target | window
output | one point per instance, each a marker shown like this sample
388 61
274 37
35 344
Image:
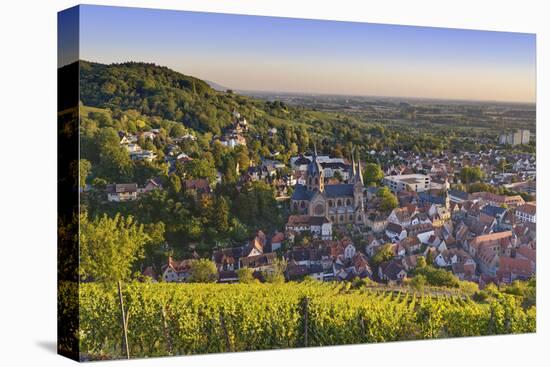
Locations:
341 218
319 209
350 217
348 202
339 202
302 204
330 203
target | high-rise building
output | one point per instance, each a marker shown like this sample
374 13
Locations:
518 137
525 136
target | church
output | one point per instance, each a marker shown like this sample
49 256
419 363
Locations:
341 203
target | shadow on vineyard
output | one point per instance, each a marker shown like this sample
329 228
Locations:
174 319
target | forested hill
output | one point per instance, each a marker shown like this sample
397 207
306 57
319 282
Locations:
162 93
158 91
155 91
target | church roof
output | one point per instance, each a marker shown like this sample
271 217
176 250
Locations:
339 190
330 191
301 193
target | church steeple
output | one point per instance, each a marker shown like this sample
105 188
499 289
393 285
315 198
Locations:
358 191
353 164
359 169
315 174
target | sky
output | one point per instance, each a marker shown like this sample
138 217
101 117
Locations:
256 53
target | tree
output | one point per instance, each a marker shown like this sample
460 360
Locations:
229 170
85 167
438 277
277 272
144 170
372 174
384 253
469 288
246 275
480 186
155 231
471 174
174 183
257 207
221 214
388 200
200 168
421 262
419 282
115 163
99 183
177 130
430 258
241 157
103 118
203 271
109 247
501 165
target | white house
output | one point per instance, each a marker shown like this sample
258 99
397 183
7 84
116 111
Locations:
317 226
527 213
122 192
133 148
425 236
144 155
349 251
176 271
401 216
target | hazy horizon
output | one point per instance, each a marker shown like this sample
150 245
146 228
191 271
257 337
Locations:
286 55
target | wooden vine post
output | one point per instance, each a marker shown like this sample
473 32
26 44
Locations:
123 322
305 310
225 333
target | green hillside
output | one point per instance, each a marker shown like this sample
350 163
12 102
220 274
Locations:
158 91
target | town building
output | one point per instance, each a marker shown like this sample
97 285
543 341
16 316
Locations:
319 227
122 192
521 136
527 213
342 203
176 271
411 182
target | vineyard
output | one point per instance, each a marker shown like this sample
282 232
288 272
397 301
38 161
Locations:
172 319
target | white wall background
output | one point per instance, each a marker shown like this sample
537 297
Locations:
28 180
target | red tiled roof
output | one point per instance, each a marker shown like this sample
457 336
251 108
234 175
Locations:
527 253
515 265
199 184
497 236
528 208
179 266
306 220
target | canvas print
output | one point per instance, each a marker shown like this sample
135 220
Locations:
234 183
